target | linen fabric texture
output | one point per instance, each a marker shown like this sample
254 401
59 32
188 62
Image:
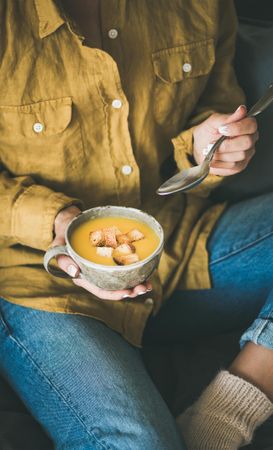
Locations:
76 152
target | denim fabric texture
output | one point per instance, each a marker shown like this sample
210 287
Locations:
241 267
84 383
89 388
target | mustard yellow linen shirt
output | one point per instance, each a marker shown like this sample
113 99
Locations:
71 118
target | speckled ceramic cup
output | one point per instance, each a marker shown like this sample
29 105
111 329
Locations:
108 277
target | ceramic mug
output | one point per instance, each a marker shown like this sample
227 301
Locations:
108 277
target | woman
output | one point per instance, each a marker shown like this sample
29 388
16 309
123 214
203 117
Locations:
103 102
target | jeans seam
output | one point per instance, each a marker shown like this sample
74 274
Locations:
59 394
234 252
6 331
4 325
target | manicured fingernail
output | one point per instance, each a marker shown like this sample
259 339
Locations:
206 150
224 130
72 271
240 107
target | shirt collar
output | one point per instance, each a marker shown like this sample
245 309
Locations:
49 16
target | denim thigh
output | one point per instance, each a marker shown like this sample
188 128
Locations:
85 385
241 269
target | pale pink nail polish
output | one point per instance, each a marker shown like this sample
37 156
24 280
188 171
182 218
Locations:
224 130
72 270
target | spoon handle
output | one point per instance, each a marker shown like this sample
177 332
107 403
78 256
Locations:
263 103
256 109
213 149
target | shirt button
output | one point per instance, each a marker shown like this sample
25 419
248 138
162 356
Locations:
187 67
149 301
38 127
117 104
113 33
126 170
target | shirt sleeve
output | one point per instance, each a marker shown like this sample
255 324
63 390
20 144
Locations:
222 94
28 211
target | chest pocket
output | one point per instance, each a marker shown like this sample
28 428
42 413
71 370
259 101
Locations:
38 119
185 61
181 75
41 139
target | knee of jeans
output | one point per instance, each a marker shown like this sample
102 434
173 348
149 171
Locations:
146 437
128 433
135 434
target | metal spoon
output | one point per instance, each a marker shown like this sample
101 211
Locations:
189 178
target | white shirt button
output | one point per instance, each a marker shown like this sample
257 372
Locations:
38 127
113 33
117 104
187 67
126 170
149 301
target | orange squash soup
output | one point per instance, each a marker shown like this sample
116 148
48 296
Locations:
114 241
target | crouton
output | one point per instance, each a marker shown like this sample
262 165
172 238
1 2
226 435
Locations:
124 249
116 230
109 235
96 238
105 251
135 235
123 239
125 254
124 260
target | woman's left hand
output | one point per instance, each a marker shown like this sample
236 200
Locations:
69 266
236 151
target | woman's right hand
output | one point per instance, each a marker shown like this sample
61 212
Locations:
69 266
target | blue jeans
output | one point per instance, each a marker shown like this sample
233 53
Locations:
241 268
89 388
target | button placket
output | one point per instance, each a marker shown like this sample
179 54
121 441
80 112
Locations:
123 157
126 169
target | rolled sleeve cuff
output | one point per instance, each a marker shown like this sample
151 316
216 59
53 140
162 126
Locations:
260 333
34 213
183 154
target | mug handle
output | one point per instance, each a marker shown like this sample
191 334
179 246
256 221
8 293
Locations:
52 253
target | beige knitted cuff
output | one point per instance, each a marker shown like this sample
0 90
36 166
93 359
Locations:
225 416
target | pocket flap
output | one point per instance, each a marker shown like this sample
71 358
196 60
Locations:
43 118
185 61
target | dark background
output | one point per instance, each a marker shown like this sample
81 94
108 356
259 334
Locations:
255 9
18 431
